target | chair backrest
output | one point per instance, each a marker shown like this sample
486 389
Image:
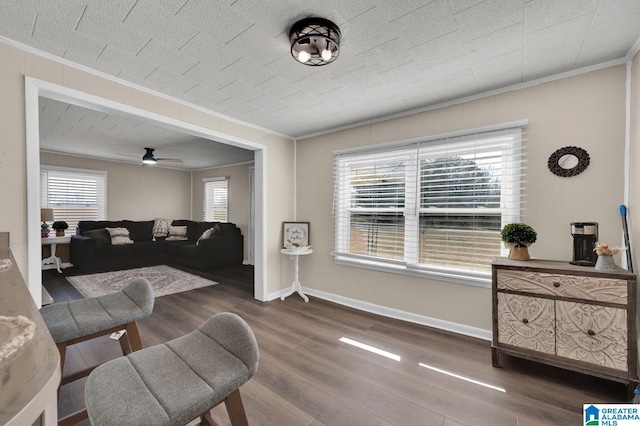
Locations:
234 334
140 291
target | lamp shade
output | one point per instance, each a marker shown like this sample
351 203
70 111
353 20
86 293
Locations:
46 215
315 41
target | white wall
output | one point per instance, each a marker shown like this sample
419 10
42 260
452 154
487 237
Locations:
634 161
239 195
135 192
16 63
587 110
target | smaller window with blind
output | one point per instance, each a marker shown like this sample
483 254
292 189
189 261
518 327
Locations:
216 199
430 207
73 194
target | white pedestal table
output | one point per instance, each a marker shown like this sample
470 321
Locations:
295 287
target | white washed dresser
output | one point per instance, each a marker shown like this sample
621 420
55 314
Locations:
568 316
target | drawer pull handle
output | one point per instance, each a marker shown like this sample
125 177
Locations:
591 332
556 284
524 320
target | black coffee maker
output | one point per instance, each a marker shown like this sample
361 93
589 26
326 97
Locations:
585 236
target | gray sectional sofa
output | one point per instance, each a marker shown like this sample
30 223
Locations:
92 251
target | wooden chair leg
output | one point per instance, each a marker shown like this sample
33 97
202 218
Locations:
207 419
62 350
235 409
73 418
125 344
134 336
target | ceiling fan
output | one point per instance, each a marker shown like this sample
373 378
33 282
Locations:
149 158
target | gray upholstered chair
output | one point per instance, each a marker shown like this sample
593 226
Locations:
84 319
175 382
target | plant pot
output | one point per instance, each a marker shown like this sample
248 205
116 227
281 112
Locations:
59 232
606 263
519 253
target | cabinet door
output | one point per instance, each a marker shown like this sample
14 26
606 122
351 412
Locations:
590 333
526 322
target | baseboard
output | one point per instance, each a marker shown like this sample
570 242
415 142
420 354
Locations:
385 311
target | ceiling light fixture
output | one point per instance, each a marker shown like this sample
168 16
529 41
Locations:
148 157
315 41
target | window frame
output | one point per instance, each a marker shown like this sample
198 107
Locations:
212 183
510 196
101 177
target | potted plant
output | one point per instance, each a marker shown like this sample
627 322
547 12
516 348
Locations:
518 237
44 230
60 227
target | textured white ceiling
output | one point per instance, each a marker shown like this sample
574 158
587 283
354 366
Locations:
232 56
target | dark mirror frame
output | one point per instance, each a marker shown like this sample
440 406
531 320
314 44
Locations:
579 153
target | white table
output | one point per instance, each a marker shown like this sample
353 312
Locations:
53 261
296 287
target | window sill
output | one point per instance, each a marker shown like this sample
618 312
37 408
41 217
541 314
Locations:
403 269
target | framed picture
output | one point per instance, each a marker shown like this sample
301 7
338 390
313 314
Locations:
295 234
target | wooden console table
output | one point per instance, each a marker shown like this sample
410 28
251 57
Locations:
568 316
28 395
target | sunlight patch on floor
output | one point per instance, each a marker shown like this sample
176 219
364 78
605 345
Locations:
457 376
370 348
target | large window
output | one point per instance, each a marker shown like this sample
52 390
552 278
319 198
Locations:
73 194
433 206
216 199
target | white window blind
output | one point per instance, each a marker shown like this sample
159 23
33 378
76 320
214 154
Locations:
216 199
433 206
74 195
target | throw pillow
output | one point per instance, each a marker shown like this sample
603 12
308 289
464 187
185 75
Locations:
177 233
101 236
209 233
161 227
119 236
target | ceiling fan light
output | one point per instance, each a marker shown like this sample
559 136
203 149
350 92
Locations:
148 157
315 41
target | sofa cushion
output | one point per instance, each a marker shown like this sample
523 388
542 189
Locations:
149 247
139 230
174 247
228 229
119 236
114 251
161 227
177 233
189 250
191 228
87 225
209 233
101 236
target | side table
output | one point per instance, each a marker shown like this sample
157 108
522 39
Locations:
295 287
53 261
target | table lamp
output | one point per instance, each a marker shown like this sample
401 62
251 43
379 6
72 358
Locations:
45 215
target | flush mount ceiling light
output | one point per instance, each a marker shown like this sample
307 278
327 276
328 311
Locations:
315 41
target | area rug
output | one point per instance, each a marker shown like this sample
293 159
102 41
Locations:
164 280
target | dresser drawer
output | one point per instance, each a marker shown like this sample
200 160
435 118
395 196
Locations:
593 334
526 322
573 286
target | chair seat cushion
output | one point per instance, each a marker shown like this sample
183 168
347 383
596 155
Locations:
175 382
77 318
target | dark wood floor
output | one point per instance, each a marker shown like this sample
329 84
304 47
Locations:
307 376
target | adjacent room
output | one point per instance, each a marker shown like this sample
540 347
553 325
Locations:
354 212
